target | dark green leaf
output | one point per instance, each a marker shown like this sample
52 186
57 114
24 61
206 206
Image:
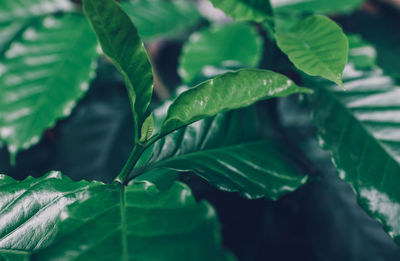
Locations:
317 46
137 222
226 150
316 6
229 91
360 127
208 53
42 76
120 41
245 10
377 28
30 208
161 18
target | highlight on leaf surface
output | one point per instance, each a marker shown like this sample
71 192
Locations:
317 46
228 91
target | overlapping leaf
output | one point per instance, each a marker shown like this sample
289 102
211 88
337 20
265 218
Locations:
227 151
42 75
245 10
360 127
91 220
215 50
317 46
156 19
229 91
120 41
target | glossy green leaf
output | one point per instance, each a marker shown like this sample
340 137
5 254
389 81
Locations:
209 53
147 128
245 10
120 41
227 151
161 18
317 46
229 91
360 127
42 76
11 10
137 222
316 6
30 208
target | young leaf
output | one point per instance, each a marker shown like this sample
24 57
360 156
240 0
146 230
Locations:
160 19
317 46
229 91
147 129
41 77
120 41
245 10
360 127
207 53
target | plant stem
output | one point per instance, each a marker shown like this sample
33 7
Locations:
130 163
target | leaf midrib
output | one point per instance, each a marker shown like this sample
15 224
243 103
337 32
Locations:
123 224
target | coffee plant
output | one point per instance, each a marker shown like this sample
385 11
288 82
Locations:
192 130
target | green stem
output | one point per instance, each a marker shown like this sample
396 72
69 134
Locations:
130 163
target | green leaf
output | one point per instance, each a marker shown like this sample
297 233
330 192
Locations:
13 255
317 46
42 76
120 41
360 127
8 32
11 10
361 54
161 18
316 6
30 208
226 150
137 222
229 91
208 53
378 29
245 10
147 129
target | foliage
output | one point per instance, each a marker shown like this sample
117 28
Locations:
226 130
